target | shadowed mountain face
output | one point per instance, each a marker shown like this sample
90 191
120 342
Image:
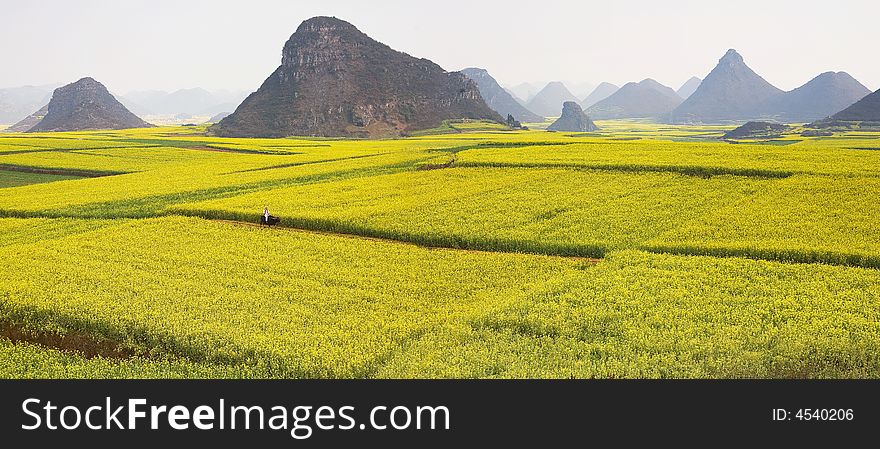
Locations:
822 96
866 109
83 105
601 92
499 99
689 87
644 99
548 102
573 119
732 91
336 81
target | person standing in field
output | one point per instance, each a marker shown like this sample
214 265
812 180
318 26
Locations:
266 214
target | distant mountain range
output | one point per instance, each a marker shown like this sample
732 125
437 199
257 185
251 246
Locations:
195 101
645 99
16 103
822 96
734 92
731 92
29 122
580 89
516 97
601 92
548 102
689 87
499 99
524 91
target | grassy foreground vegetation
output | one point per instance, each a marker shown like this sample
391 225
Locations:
714 259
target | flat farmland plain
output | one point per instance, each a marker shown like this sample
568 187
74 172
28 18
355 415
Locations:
473 253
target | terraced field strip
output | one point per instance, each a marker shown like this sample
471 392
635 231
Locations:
379 239
71 172
704 158
806 219
19 178
689 170
150 192
540 211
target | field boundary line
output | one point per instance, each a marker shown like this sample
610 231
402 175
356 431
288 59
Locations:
242 223
830 258
60 171
685 170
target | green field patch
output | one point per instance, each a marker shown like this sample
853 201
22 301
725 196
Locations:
10 178
297 164
47 174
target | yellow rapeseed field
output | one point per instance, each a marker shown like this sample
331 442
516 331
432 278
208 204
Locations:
641 250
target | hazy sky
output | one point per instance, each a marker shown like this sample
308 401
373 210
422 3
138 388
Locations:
160 44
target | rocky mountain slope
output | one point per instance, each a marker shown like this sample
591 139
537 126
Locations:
573 119
335 80
84 105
